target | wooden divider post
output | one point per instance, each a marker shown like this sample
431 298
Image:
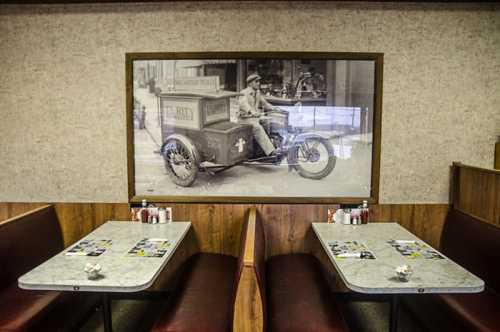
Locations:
248 310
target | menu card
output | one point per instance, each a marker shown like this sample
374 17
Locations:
90 247
153 247
414 249
350 249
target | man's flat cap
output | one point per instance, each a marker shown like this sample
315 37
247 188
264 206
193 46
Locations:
253 77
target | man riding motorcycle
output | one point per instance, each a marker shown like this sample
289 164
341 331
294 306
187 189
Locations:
252 104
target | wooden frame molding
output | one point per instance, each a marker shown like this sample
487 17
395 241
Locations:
373 198
497 155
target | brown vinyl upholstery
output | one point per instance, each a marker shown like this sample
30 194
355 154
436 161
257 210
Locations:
298 296
26 242
204 300
475 245
477 312
22 308
295 293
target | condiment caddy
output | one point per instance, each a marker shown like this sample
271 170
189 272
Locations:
149 213
354 216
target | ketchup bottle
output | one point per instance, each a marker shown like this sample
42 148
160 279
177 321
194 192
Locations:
144 211
365 213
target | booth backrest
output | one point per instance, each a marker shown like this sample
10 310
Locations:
27 241
474 244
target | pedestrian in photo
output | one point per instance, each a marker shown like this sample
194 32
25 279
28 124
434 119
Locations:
142 119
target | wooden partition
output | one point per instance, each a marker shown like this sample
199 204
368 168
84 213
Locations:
476 191
10 210
248 310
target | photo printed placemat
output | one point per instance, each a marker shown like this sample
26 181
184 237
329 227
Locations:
414 249
90 247
350 249
153 247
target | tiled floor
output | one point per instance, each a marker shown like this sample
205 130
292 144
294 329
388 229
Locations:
128 316
374 317
137 316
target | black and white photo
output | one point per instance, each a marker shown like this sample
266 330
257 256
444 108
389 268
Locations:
253 127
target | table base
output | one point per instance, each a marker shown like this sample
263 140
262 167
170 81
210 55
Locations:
394 315
106 312
392 299
106 298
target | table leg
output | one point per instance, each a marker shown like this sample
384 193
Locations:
106 312
393 327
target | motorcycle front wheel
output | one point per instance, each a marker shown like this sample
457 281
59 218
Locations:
313 158
180 162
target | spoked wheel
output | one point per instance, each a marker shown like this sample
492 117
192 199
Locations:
313 158
180 161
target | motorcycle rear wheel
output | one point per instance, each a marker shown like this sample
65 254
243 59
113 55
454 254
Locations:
313 158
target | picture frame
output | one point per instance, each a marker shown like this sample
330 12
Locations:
192 119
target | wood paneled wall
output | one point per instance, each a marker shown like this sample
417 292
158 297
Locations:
288 227
217 227
476 191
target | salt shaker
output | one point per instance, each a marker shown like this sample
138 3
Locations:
162 214
347 218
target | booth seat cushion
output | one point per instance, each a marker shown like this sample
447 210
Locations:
479 312
25 242
299 298
21 308
70 313
203 301
30 310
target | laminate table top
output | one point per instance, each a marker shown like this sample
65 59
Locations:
120 272
378 276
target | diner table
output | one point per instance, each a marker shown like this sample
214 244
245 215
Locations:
392 246
125 266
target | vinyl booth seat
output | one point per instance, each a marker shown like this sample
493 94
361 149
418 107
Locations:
474 244
298 296
22 308
220 293
204 299
25 242
295 295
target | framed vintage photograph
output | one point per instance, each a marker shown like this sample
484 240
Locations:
254 127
